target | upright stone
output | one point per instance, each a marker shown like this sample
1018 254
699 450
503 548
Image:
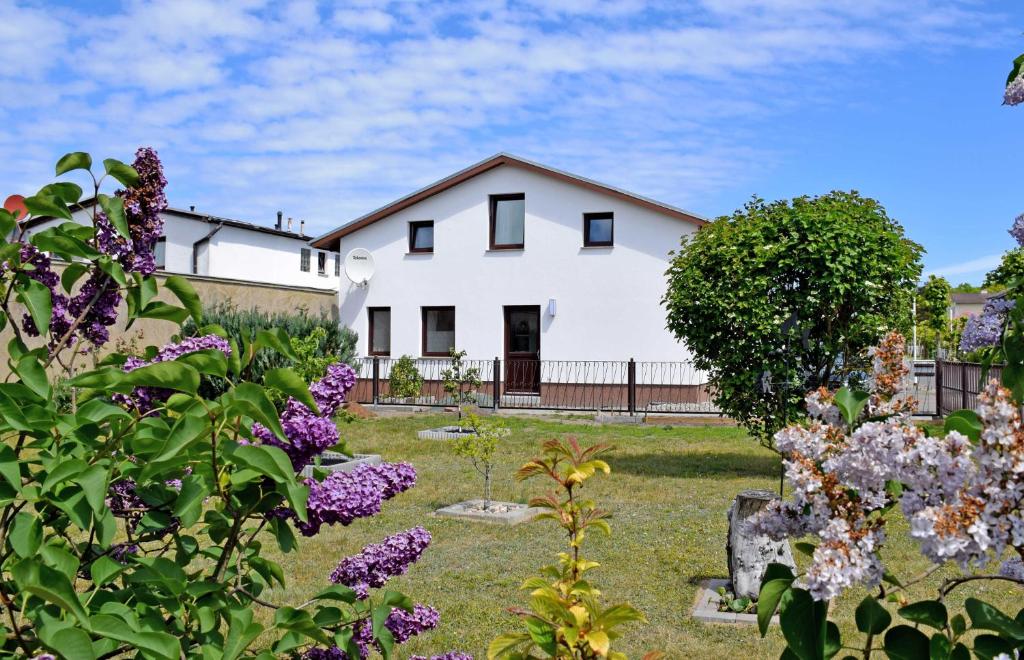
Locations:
749 555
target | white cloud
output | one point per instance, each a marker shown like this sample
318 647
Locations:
967 269
328 110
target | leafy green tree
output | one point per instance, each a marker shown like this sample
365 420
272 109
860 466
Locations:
460 381
1009 270
784 297
933 302
404 380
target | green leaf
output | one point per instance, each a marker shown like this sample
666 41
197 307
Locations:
241 633
9 467
768 601
986 617
173 375
123 173
833 640
164 312
67 192
7 224
72 644
252 400
871 617
62 245
113 207
928 612
189 504
33 375
796 618
850 403
104 377
278 340
208 361
187 295
987 647
72 273
35 296
289 382
235 358
906 643
160 644
805 548
50 585
1018 62
46 206
503 645
76 160
267 460
966 422
338 592
105 569
26 534
94 484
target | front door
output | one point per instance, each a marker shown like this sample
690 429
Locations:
522 349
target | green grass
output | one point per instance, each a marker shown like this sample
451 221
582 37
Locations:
669 491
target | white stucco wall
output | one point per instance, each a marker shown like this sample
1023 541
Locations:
233 252
608 299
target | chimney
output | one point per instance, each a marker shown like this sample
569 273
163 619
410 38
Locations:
289 223
192 208
302 227
280 218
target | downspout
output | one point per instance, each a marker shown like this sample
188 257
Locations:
198 244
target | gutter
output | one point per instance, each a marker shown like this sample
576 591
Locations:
202 241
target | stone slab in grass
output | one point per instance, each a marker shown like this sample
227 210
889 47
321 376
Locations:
499 513
708 600
605 418
445 433
337 462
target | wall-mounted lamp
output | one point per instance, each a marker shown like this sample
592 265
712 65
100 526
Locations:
552 307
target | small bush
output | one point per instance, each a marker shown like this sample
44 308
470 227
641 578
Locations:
405 379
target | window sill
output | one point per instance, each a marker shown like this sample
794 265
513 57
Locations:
420 253
596 247
511 249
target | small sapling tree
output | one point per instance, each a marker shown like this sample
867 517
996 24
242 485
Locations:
460 381
480 446
404 380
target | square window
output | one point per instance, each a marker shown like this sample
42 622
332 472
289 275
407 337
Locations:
160 253
421 236
321 264
304 257
598 229
380 330
438 330
508 221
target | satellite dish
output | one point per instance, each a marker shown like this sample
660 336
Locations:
359 266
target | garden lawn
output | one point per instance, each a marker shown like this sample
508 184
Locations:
668 492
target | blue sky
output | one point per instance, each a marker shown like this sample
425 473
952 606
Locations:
328 110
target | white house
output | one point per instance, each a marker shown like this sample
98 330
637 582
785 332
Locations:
516 260
201 244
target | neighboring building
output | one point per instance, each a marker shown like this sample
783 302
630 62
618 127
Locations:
516 260
200 244
967 304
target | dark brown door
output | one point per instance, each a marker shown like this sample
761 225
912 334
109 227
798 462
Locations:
522 349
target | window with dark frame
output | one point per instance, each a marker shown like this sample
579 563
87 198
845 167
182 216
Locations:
321 264
304 260
160 253
599 229
380 330
337 265
438 331
421 236
508 221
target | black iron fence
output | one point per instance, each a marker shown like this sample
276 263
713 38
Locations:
613 386
627 386
957 384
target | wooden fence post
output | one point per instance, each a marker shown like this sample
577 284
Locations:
938 387
376 380
495 384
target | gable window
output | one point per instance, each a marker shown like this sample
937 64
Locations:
337 265
421 236
508 221
304 256
380 330
160 253
321 264
438 330
598 229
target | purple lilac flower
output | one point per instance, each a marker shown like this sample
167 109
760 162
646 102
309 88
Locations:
142 207
41 271
379 562
402 625
329 392
146 398
122 551
986 329
450 655
345 496
1014 93
1017 230
308 435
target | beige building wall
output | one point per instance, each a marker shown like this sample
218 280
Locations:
243 295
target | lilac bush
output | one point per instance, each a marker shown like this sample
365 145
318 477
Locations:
146 398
